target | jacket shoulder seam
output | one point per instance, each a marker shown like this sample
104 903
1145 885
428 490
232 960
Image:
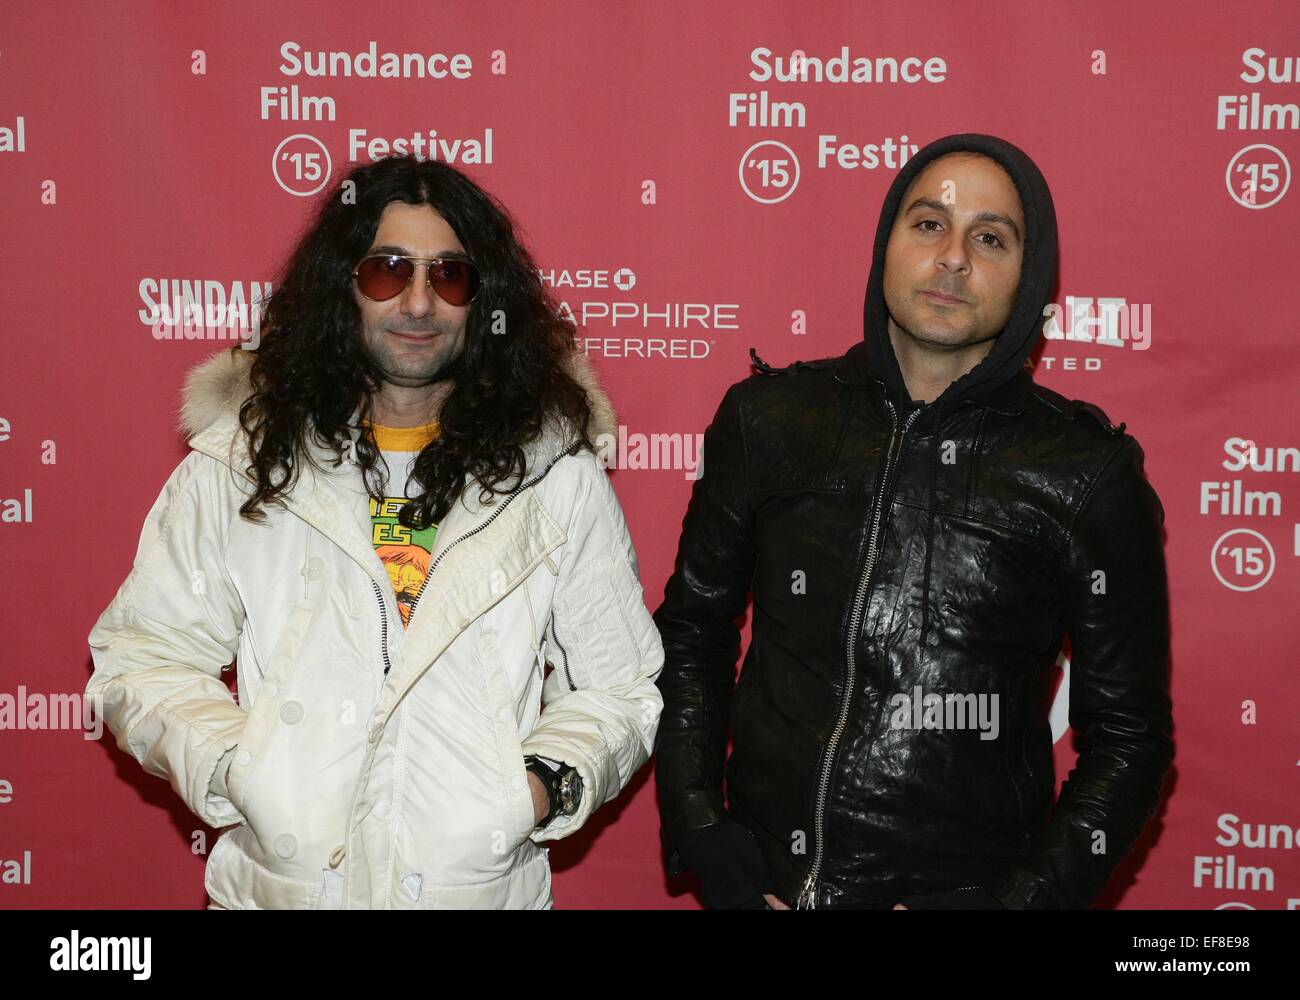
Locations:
1051 399
1072 409
817 364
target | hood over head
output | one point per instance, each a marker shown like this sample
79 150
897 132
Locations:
1003 366
1037 272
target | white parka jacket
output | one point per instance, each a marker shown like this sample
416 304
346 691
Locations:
352 788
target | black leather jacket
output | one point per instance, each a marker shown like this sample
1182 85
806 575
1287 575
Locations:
814 495
889 558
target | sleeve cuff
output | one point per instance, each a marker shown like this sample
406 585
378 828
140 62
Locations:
211 801
593 788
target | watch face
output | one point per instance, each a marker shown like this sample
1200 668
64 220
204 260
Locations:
571 790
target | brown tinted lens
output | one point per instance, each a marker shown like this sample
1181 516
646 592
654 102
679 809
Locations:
381 278
455 281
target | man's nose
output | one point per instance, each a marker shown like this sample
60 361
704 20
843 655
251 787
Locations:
417 298
953 253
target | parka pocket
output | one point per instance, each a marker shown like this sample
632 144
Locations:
523 798
245 769
235 783
518 802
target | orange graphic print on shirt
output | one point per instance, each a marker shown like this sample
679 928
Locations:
405 552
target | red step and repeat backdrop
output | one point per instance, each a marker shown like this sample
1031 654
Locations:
686 200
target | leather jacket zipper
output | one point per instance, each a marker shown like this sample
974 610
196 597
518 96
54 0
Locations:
807 897
379 594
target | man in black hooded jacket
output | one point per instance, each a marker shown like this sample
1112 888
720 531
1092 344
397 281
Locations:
920 524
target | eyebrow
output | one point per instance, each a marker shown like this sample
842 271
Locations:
939 206
404 252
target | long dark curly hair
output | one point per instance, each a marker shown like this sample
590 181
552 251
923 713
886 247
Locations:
310 373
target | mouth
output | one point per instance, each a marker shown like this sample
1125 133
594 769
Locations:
941 299
413 338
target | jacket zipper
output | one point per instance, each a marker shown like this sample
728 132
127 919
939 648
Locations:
383 625
807 898
564 656
379 594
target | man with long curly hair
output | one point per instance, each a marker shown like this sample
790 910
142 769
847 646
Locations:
392 518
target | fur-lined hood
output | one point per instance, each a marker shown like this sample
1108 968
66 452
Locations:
217 386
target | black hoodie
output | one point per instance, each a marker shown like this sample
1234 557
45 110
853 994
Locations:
1024 326
1037 274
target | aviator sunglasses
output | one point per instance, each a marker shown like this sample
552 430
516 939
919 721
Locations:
380 276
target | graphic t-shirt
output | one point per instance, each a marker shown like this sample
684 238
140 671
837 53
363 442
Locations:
405 552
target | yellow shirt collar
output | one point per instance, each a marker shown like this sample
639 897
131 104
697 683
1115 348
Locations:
404 438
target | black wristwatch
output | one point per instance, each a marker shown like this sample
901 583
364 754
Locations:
563 786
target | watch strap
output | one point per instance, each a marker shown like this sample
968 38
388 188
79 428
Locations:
548 772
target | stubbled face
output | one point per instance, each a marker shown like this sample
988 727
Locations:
960 232
414 335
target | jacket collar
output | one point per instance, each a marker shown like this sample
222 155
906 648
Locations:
217 386
1008 398
332 497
